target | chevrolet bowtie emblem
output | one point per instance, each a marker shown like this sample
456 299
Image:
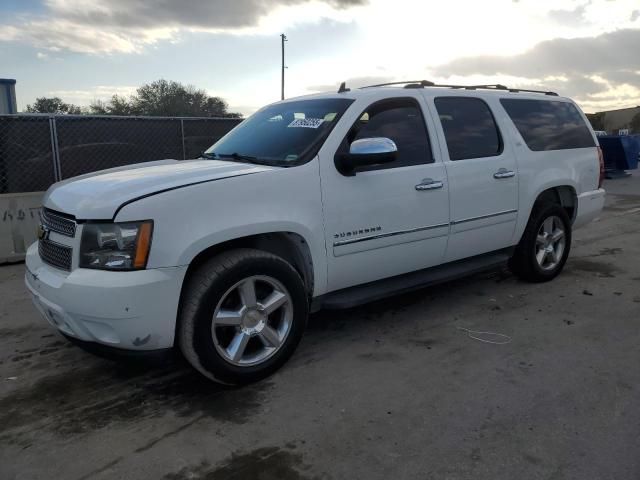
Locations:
43 232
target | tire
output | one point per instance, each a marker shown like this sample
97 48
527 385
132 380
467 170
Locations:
525 262
232 336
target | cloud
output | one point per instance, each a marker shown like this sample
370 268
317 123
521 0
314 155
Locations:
612 56
204 14
573 17
87 96
587 69
126 26
577 87
599 72
592 55
615 98
634 15
624 77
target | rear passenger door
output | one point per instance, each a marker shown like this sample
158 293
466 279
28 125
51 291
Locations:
482 173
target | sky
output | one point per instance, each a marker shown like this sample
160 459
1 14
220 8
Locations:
87 50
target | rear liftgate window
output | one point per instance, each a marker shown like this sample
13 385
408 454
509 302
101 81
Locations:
469 128
548 125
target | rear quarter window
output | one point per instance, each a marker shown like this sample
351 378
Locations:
548 125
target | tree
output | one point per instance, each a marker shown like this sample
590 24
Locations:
634 126
166 98
596 120
118 105
53 105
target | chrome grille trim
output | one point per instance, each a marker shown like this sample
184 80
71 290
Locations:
55 254
58 223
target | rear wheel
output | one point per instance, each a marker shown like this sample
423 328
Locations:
243 314
545 244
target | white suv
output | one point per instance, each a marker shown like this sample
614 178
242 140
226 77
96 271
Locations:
323 201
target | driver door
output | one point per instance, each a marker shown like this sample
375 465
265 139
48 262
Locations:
387 219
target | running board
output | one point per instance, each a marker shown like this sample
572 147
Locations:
369 292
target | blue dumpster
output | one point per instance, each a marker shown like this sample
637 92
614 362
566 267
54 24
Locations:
620 153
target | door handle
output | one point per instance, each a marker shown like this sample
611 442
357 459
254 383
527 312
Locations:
429 184
504 173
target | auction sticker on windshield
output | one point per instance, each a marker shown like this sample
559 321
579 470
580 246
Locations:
306 123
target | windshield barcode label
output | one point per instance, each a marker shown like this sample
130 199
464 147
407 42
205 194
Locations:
306 123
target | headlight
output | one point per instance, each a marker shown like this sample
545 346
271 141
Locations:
115 246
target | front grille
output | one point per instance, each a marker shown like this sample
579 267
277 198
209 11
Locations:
58 223
55 254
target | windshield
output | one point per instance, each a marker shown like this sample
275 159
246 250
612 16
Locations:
283 134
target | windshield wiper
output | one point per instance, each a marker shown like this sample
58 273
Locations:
234 156
247 159
250 159
237 156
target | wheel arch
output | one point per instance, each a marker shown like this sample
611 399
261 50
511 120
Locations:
563 195
291 246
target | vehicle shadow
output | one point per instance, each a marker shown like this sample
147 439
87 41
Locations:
89 393
86 393
351 318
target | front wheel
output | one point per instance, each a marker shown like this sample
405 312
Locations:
242 315
545 244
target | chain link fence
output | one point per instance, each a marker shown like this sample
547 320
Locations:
38 150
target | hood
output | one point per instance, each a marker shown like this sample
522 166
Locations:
98 195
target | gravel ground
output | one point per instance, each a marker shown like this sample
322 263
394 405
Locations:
390 390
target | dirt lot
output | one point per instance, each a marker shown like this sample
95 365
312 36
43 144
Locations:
391 390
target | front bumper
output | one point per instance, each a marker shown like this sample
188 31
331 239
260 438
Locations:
127 310
158 356
590 204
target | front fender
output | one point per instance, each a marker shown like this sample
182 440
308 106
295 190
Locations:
243 231
189 220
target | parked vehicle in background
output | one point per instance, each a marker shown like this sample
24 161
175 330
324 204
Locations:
324 201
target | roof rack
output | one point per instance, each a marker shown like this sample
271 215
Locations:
417 83
427 83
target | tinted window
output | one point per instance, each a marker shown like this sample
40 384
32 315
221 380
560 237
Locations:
401 121
548 125
286 133
469 128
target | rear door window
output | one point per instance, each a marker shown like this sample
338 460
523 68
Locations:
469 128
548 125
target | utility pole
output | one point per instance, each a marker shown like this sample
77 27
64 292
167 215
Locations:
284 39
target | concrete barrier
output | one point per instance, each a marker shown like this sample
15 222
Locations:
19 221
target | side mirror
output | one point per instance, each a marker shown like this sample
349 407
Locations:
366 152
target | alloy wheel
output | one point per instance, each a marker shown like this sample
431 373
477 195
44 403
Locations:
550 243
252 320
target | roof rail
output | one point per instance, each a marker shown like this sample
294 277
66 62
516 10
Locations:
495 86
516 90
427 83
420 83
